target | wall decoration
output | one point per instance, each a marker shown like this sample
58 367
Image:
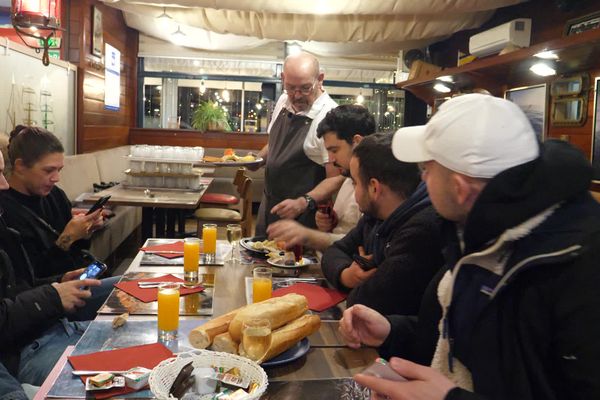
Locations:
97 33
582 24
533 101
112 78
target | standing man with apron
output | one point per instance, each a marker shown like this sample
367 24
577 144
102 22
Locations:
295 158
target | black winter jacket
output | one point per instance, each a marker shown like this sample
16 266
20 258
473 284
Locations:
406 249
524 317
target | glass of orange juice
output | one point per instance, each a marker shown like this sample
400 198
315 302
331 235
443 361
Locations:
262 285
168 311
191 256
209 239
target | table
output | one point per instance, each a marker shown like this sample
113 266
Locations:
324 372
155 202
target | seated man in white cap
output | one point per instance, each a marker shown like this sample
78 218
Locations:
519 299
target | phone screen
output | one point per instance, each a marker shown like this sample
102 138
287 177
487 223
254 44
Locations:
98 204
93 270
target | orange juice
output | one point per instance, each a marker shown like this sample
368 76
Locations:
168 309
209 238
261 289
191 254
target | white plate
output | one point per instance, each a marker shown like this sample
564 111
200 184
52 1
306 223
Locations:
246 243
232 163
304 261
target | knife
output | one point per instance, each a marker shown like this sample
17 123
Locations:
149 285
80 372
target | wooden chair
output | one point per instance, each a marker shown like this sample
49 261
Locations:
223 199
224 216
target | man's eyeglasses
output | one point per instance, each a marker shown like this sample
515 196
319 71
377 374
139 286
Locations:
304 89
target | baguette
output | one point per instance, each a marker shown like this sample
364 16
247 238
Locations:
202 336
278 310
225 343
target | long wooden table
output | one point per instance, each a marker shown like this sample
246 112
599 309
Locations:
321 369
156 203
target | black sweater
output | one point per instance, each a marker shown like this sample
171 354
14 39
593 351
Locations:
411 256
26 214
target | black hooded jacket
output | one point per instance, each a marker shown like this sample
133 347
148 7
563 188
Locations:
524 318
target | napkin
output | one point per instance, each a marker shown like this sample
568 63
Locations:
148 295
147 355
169 247
319 298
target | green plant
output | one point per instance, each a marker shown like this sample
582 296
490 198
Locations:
210 116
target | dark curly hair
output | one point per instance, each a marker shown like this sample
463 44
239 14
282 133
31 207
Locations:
346 121
30 144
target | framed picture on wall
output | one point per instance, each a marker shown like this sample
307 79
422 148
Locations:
97 33
596 132
533 101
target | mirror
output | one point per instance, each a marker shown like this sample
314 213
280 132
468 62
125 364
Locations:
569 85
568 111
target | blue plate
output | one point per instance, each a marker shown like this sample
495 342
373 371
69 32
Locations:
294 353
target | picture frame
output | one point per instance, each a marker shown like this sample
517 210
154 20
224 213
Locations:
595 156
533 100
97 32
582 24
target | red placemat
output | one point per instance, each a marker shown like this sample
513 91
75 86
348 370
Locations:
319 298
147 355
173 250
148 295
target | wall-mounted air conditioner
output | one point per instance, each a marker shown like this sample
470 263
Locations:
516 32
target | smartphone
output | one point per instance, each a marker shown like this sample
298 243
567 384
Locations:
325 208
365 264
98 204
381 369
93 271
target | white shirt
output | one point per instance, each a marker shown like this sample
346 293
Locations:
314 148
347 211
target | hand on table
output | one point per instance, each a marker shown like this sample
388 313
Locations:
72 295
290 208
424 383
363 325
289 231
354 275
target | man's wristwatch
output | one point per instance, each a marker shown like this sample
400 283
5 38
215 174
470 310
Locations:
311 204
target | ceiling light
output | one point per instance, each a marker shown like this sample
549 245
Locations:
360 99
446 78
202 87
164 20
178 37
291 49
225 95
547 55
542 69
440 87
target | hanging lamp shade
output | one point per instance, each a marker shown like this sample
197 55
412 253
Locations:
37 23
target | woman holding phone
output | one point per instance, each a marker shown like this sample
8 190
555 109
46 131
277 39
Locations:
54 240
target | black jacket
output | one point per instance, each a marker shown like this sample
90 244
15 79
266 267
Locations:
39 221
406 250
524 316
24 312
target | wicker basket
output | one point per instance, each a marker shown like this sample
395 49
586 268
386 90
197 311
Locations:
164 374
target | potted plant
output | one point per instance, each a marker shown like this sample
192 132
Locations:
209 116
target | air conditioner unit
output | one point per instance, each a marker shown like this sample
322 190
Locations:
516 32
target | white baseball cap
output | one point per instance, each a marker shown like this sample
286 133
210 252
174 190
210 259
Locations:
474 134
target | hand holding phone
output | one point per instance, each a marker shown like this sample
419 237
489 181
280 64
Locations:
381 369
98 204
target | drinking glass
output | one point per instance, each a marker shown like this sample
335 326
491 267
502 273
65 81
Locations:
234 234
168 311
256 338
262 285
191 256
209 238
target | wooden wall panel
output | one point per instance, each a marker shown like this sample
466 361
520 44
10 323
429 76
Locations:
98 128
177 137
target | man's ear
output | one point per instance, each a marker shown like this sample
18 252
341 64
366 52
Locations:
464 191
19 166
374 188
356 139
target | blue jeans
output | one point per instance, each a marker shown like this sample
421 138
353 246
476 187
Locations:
39 357
93 304
10 388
